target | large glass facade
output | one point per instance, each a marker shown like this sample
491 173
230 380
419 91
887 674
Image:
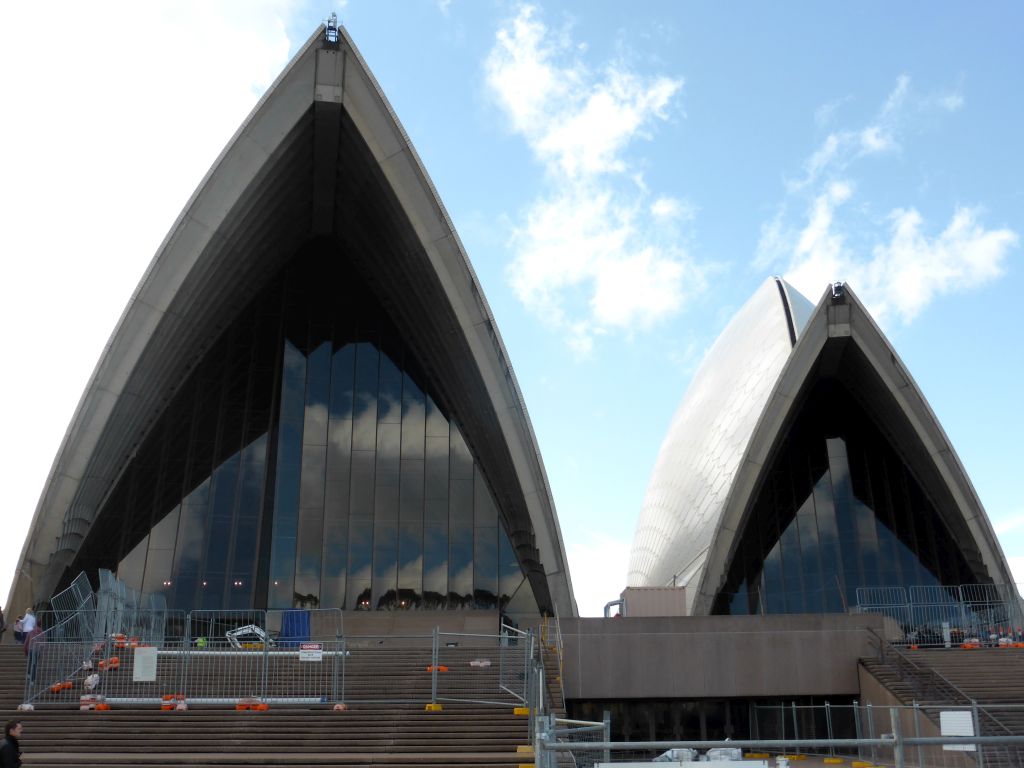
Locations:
838 510
306 462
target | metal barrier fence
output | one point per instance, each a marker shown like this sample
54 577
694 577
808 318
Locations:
581 734
473 668
857 721
949 615
515 657
887 736
218 658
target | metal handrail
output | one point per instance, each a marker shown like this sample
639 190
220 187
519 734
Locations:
909 669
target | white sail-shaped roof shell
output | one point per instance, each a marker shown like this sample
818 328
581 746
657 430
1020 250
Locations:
708 437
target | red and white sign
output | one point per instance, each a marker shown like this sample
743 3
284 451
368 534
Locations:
311 651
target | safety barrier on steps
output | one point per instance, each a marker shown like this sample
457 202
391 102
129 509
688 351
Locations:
230 659
967 615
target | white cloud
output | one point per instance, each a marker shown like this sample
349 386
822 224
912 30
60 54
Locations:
1016 564
841 147
907 271
598 564
668 208
591 253
818 253
101 146
907 268
875 139
826 113
588 137
897 96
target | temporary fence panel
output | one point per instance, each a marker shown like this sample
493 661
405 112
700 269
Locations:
222 658
881 596
387 669
516 654
938 624
580 734
55 671
864 721
216 672
473 668
949 614
140 675
74 610
306 673
78 596
225 658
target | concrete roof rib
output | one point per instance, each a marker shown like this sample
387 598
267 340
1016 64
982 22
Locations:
841 339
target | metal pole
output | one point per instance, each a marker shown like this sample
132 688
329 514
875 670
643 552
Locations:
897 735
856 723
433 670
266 660
344 669
527 657
186 656
977 732
871 732
607 719
917 733
828 728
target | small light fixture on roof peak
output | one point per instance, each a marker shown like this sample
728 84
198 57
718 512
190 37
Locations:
332 28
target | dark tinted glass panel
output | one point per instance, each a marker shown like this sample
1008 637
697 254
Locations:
247 526
485 567
460 567
435 566
288 478
364 430
222 508
306 460
509 575
385 565
360 564
838 510
410 566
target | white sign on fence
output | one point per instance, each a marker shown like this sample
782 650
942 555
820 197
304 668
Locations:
311 651
957 723
144 665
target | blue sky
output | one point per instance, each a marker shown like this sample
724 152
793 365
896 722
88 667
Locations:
623 178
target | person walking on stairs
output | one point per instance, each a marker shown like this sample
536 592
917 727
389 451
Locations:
10 752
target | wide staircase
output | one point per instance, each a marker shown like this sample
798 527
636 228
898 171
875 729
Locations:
385 723
938 678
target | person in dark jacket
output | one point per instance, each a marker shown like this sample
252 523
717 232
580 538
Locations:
10 752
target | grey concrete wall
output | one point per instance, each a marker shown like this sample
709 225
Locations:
716 656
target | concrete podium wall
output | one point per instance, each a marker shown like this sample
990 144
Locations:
716 656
